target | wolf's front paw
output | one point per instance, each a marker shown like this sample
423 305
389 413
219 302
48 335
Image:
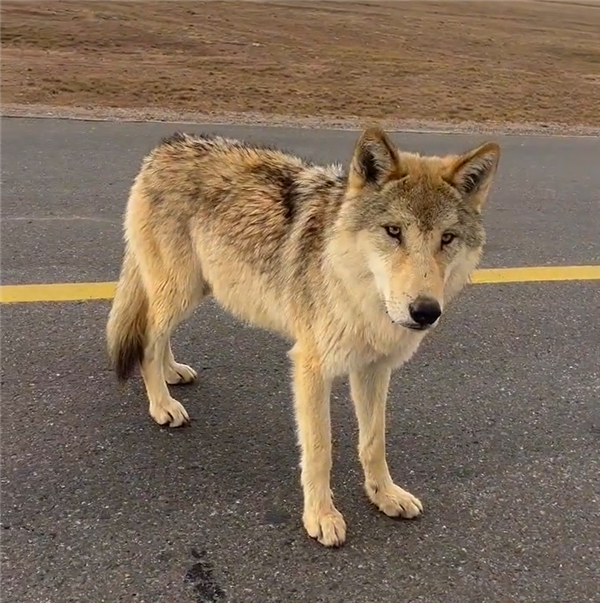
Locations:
394 501
327 525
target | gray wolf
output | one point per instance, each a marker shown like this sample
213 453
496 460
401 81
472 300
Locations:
353 266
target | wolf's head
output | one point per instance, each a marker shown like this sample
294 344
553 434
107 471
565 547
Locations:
414 223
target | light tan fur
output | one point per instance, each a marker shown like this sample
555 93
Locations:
352 266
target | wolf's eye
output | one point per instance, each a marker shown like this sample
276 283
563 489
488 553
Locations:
447 238
394 231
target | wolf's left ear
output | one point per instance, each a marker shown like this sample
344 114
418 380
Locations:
473 172
375 160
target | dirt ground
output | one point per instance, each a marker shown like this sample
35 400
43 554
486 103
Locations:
529 62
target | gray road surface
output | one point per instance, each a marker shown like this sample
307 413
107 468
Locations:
495 424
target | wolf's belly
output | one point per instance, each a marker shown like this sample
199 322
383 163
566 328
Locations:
250 298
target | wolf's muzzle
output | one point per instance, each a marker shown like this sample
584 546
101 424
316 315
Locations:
425 311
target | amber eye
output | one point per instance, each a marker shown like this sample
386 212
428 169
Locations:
447 238
394 231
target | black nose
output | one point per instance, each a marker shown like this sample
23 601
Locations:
425 311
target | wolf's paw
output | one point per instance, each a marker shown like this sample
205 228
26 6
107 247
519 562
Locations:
169 412
179 373
394 501
328 527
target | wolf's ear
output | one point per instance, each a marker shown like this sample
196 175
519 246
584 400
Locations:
473 172
375 160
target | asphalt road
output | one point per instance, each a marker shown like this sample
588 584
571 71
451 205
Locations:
495 424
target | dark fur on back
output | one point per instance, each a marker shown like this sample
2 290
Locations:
284 180
204 139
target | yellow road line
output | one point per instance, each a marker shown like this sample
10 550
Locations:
62 292
56 292
533 274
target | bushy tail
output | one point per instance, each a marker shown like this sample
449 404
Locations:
128 319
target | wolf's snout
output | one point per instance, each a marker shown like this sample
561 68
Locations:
425 311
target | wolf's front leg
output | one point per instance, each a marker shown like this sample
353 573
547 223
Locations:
369 388
312 393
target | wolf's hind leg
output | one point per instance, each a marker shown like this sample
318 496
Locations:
175 372
174 289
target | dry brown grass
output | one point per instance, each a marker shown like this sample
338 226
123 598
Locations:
527 61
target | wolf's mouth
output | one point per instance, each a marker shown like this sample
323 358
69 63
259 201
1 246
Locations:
415 327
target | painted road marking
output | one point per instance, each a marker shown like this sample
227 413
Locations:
63 292
533 274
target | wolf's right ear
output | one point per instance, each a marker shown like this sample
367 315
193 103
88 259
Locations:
375 161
